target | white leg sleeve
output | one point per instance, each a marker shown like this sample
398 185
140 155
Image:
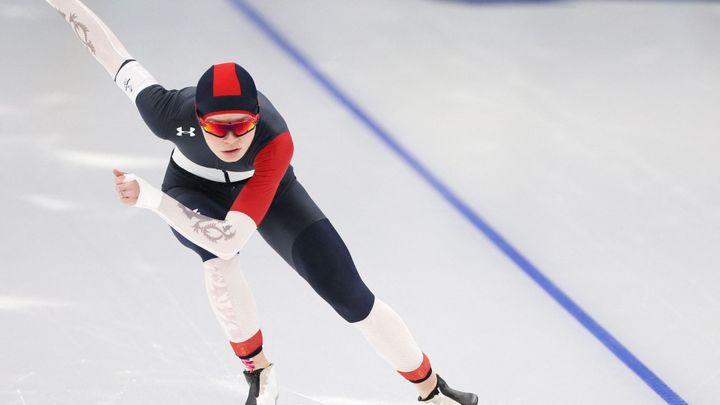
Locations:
389 336
231 298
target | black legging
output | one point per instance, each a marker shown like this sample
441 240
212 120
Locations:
294 227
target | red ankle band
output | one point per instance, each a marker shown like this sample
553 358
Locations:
249 348
420 374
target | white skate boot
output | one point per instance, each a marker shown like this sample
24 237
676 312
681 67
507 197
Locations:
263 386
444 395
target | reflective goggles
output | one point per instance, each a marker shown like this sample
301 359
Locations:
221 129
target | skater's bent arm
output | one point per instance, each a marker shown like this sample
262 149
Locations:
222 237
105 47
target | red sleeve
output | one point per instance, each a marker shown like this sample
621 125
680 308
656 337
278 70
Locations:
271 163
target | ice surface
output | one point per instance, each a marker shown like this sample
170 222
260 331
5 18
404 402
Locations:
584 132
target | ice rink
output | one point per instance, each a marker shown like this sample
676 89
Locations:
576 141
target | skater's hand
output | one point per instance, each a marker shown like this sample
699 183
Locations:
128 192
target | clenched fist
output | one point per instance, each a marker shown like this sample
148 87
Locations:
127 191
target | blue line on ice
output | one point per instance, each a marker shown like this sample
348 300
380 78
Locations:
617 348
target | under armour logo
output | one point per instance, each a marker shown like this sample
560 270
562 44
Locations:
181 132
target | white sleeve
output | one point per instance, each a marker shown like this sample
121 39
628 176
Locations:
132 78
104 46
223 238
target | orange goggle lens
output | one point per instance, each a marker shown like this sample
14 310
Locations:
221 129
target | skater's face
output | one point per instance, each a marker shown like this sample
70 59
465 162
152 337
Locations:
231 147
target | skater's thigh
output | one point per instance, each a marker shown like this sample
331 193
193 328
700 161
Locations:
297 229
290 213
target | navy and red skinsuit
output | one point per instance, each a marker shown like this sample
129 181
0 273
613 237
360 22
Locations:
286 216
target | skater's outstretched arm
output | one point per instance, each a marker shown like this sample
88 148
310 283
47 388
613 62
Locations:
105 47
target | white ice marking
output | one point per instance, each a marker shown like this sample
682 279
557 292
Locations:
22 398
351 401
49 203
17 12
714 376
102 160
25 377
56 98
288 396
7 110
10 303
